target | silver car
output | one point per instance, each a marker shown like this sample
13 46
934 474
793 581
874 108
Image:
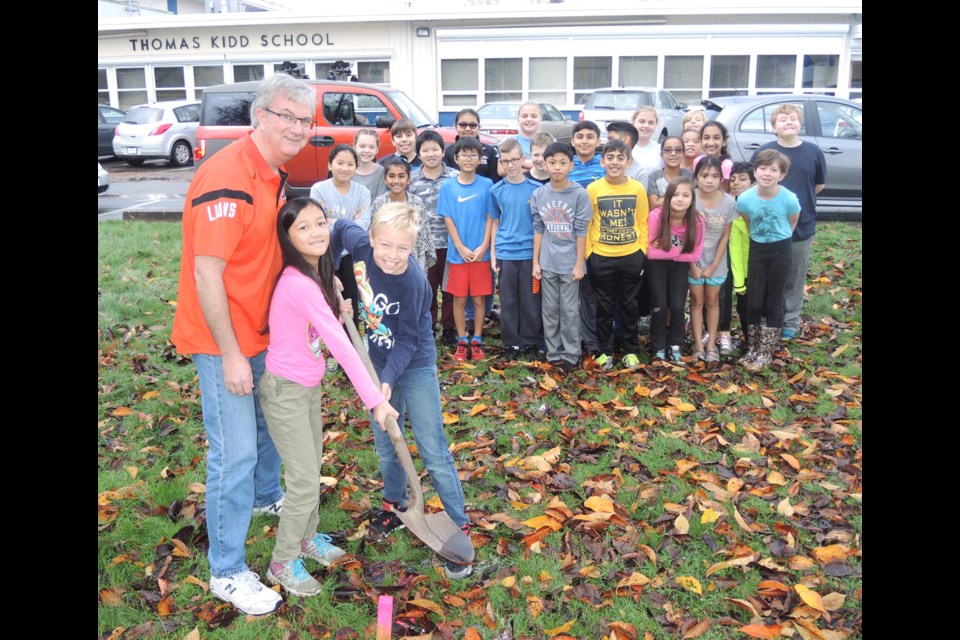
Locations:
157 131
499 120
833 124
610 105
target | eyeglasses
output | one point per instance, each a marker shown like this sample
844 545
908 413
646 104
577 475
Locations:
468 156
468 125
289 119
667 150
509 161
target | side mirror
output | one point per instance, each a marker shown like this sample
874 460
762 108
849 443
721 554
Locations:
567 119
384 122
682 106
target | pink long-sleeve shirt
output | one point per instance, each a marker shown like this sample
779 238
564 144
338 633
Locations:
677 236
300 322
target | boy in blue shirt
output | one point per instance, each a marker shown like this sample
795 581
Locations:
512 253
464 204
395 297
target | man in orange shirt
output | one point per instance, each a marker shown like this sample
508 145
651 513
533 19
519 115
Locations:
229 264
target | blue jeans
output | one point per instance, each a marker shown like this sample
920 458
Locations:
243 467
417 393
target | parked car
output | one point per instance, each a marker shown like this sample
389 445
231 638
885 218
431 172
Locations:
343 108
158 130
499 120
608 105
107 120
103 180
833 124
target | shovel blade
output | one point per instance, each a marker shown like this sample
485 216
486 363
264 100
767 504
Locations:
439 532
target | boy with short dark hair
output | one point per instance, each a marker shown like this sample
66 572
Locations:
561 213
616 251
404 356
586 164
464 205
627 133
807 178
538 144
512 253
404 136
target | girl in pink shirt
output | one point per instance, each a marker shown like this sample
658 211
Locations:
676 240
301 320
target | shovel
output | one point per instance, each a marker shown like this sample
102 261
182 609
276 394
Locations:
436 530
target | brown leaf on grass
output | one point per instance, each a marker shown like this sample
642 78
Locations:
680 405
681 525
544 521
833 601
709 516
477 408
746 605
800 563
784 508
561 629
697 630
650 552
120 412
740 521
764 632
790 460
166 606
106 513
742 561
775 477
830 553
602 504
808 631
635 579
548 382
450 418
198 582
509 581
110 597
810 597
534 606
197 487
624 630
193 635
472 634
428 605
536 537
685 465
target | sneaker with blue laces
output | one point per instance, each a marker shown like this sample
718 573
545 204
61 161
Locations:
293 577
788 333
675 355
321 548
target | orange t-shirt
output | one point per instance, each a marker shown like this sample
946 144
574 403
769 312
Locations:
231 213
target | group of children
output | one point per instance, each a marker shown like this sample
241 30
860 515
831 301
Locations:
574 236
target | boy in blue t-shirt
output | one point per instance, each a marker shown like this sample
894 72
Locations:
395 303
512 254
464 204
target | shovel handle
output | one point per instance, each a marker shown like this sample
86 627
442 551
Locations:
393 429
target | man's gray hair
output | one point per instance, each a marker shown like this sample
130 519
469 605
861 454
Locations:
295 90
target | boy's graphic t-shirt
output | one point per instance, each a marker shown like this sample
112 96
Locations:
584 173
467 205
562 217
618 226
510 203
768 218
394 308
716 220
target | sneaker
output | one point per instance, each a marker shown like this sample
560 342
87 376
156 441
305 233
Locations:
631 361
385 522
246 593
605 361
460 355
675 355
476 351
454 571
293 577
274 509
511 354
660 355
788 333
321 548
726 344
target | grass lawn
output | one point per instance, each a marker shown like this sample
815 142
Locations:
670 502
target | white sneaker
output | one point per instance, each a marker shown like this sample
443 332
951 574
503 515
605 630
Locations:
274 509
246 593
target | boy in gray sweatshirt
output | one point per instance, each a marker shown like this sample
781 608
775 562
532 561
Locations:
561 212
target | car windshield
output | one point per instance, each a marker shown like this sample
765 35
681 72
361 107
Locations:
498 112
619 100
143 115
410 109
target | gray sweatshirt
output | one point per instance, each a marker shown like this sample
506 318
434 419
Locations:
562 217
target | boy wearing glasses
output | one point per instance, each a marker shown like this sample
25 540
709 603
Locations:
464 205
512 254
404 136
468 126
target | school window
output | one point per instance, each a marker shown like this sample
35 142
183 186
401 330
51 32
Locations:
729 75
245 72
775 72
683 76
548 80
591 73
375 72
856 79
204 76
638 71
459 82
131 87
170 83
103 90
820 72
502 79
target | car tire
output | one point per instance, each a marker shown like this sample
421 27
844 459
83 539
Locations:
135 162
181 155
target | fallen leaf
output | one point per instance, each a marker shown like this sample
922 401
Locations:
193 635
509 581
472 634
634 580
839 350
561 629
690 584
709 516
455 601
784 508
681 524
685 465
810 597
603 504
833 601
166 606
548 383
450 418
121 411
477 408
132 471
830 553
697 630
765 632
110 597
775 477
198 582
197 487
742 561
793 462
534 606
422 603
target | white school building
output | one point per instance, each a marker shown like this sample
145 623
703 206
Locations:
448 55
